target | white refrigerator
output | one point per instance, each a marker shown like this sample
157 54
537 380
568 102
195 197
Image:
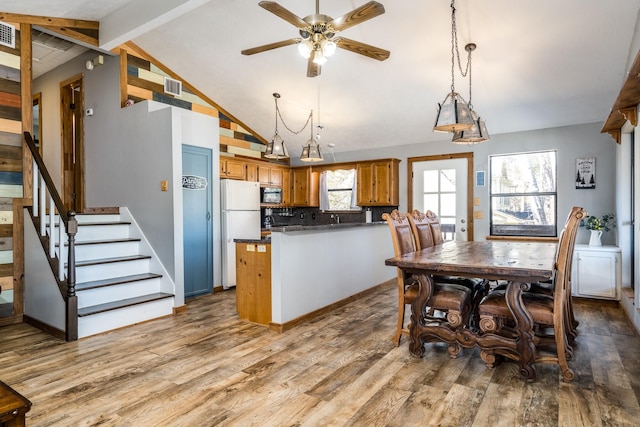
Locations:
240 202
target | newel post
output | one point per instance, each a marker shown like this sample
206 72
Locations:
72 301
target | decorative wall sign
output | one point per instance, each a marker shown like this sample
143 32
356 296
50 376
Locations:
586 173
479 178
192 182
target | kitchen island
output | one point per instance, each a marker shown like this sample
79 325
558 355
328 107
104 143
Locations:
316 268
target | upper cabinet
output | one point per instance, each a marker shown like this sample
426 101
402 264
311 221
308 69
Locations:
304 187
270 176
233 169
378 183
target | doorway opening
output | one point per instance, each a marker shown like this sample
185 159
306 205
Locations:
444 185
72 126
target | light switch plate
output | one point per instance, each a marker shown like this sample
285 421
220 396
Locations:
477 214
164 185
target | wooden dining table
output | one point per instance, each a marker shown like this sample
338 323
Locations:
517 263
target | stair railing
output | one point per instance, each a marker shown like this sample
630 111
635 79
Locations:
46 196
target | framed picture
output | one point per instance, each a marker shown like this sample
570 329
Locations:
586 173
479 178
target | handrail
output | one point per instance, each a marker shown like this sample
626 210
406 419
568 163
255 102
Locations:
67 225
57 200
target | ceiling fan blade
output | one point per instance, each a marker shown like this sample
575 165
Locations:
283 13
313 69
269 46
362 48
363 13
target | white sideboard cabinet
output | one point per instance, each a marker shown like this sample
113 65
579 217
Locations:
596 272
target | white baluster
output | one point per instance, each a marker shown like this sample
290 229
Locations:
43 208
34 190
52 234
62 233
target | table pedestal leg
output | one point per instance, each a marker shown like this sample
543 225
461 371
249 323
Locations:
524 328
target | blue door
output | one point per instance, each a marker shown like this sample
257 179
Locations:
197 221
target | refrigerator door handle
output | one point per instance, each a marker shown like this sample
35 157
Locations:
229 228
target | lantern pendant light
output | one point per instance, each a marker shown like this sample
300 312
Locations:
276 148
478 132
311 152
454 114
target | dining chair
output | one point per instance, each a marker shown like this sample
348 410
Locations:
450 303
427 231
546 311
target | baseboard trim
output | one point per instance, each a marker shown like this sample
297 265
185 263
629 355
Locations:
58 333
282 327
179 309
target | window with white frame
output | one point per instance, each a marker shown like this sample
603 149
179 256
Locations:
522 193
337 190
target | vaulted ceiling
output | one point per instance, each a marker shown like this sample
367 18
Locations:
538 64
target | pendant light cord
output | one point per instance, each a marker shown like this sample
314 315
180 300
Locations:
455 52
278 114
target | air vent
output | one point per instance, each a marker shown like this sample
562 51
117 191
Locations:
172 87
7 35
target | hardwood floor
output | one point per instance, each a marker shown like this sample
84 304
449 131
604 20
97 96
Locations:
205 367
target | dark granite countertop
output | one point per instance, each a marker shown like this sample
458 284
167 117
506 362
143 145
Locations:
323 227
263 241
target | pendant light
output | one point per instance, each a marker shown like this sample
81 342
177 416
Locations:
453 113
311 152
478 132
276 148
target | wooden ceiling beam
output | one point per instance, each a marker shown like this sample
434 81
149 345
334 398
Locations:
625 106
49 21
76 35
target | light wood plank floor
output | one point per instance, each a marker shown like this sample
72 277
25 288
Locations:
206 368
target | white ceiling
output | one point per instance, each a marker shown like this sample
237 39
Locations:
538 64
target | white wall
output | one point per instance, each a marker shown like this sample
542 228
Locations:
571 142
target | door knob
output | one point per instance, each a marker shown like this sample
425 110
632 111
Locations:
463 229
462 221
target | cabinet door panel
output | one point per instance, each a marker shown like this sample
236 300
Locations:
596 274
235 169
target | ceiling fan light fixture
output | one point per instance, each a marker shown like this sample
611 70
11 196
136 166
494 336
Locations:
329 48
304 48
318 57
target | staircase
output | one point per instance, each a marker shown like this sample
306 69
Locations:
119 281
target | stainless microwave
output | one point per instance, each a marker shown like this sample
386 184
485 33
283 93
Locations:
271 195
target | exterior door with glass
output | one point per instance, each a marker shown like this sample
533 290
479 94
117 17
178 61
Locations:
442 187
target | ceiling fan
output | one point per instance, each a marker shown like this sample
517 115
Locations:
318 38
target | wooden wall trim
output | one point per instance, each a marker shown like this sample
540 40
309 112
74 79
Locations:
26 92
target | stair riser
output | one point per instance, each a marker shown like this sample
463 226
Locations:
106 250
121 291
109 320
82 219
111 270
102 232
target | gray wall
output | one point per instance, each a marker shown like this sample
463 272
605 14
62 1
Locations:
571 142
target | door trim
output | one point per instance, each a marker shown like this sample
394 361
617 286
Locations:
66 129
469 157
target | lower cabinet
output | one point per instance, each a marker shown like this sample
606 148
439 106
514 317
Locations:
596 272
253 282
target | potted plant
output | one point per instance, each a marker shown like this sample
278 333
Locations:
596 225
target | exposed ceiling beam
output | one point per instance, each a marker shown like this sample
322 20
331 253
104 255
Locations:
49 21
139 17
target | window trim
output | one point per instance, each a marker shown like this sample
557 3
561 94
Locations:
524 231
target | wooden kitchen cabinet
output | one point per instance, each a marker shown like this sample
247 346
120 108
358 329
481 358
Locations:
270 176
253 282
378 183
252 172
304 187
596 272
232 169
286 187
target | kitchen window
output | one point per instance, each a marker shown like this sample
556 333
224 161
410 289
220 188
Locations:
338 190
523 198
